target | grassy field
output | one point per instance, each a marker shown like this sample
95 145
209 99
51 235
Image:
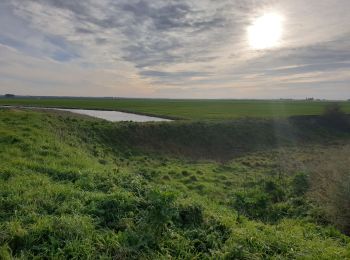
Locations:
189 109
74 187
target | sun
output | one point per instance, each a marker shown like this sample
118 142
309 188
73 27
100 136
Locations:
266 31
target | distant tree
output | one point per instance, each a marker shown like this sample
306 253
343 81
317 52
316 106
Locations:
334 116
9 95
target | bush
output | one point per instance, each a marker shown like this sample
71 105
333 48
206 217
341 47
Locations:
5 252
270 202
335 117
208 237
253 204
330 186
300 184
111 211
275 191
191 215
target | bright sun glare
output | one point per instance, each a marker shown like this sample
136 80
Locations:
266 31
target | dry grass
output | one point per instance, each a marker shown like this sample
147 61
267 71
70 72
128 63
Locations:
330 185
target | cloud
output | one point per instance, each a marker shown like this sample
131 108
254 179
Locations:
33 75
192 46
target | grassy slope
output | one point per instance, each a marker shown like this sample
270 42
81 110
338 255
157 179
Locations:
66 193
220 140
188 109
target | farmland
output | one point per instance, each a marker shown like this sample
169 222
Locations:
187 109
174 130
82 188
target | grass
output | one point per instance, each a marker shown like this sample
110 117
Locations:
331 185
187 109
81 188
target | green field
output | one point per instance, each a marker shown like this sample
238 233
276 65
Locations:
188 109
74 187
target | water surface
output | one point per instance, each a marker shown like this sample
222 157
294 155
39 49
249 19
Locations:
113 116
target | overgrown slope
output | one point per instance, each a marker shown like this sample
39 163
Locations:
217 140
79 188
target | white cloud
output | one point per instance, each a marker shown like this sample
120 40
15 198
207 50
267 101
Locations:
153 48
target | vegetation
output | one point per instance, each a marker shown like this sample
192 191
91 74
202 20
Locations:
187 109
335 116
81 188
331 186
9 95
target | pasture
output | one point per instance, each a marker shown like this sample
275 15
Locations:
75 187
187 109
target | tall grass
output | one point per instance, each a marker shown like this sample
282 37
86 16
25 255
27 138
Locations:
330 185
77 188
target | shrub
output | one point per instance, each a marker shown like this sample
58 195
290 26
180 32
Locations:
112 210
269 202
209 237
335 117
300 184
330 186
275 191
160 210
191 215
154 220
5 253
253 204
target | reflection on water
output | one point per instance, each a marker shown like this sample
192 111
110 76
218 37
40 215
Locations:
113 116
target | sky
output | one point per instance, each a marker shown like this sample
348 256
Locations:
176 49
